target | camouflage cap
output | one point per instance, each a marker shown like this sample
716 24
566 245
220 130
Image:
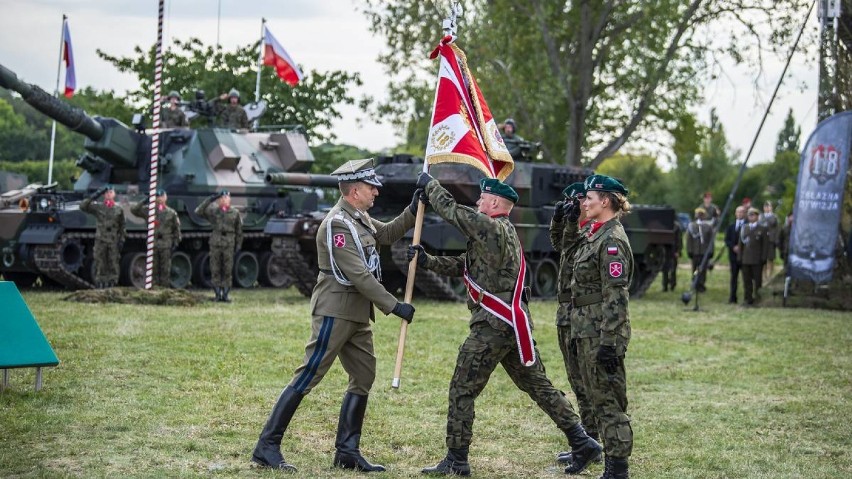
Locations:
575 190
498 188
605 183
357 170
753 211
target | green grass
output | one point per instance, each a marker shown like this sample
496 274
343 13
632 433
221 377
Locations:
149 391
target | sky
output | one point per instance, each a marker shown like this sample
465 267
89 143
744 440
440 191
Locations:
333 35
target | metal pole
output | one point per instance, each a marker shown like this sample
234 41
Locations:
256 121
218 23
56 94
155 153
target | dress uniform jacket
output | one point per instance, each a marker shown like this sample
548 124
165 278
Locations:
754 244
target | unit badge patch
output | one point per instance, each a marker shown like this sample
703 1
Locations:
339 241
615 269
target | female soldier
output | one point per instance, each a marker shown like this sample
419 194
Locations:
600 322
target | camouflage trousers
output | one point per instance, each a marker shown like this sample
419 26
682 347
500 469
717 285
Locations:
568 347
106 255
608 394
221 265
162 266
485 348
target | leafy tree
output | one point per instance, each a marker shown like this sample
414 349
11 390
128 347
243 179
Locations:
328 156
641 174
65 172
789 136
190 65
584 77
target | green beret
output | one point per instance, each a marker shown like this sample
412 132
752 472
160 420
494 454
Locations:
575 190
497 187
225 193
160 192
109 187
605 183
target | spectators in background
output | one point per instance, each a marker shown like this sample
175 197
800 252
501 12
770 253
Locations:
770 222
699 239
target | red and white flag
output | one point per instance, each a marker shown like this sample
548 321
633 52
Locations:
463 129
275 55
68 57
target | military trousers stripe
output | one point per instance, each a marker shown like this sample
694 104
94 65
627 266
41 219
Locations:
313 363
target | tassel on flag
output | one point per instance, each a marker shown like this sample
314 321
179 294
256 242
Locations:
275 55
463 129
68 56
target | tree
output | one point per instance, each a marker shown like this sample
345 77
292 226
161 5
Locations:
641 174
190 65
788 137
582 76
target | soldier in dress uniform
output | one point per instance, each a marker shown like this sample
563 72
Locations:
229 112
166 235
769 220
225 240
172 116
109 235
699 239
754 246
342 303
600 319
565 237
493 268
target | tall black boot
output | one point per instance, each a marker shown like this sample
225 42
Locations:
267 452
348 455
218 291
455 464
583 449
225 297
566 458
616 468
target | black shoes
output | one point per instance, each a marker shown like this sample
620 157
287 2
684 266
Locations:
455 464
267 452
348 454
584 449
565 457
615 468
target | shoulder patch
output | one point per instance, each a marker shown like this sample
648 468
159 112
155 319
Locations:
613 250
339 240
616 269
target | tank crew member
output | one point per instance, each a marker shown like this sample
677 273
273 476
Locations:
166 235
754 246
342 304
712 212
511 139
732 241
769 220
600 320
229 112
225 240
699 239
171 115
493 267
109 237
565 236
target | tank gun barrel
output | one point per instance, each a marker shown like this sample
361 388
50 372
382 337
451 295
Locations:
301 179
74 118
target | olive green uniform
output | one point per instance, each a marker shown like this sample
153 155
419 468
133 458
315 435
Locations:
699 239
342 312
603 270
754 248
109 238
565 238
166 238
173 118
225 240
493 261
230 116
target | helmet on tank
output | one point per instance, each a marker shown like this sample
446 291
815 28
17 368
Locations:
234 93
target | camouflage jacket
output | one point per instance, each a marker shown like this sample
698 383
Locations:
754 244
513 144
566 237
166 224
230 116
227 225
110 220
493 251
173 118
603 266
699 238
353 302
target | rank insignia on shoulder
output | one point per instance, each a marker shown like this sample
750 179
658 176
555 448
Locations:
612 250
615 269
339 240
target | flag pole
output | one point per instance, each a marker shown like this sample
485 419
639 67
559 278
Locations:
56 94
259 66
155 152
449 27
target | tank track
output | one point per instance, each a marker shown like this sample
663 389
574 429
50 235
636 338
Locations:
304 275
431 284
48 261
643 279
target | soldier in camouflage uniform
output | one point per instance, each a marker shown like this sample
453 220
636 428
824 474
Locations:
225 240
511 139
109 236
342 306
566 238
230 114
166 236
493 263
600 320
754 248
171 116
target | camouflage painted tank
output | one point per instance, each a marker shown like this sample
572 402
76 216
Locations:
53 240
651 228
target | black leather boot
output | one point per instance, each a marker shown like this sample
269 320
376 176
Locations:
218 292
348 455
225 297
583 449
267 452
565 458
455 464
616 468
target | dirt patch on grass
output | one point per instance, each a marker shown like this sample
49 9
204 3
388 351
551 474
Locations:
165 297
804 294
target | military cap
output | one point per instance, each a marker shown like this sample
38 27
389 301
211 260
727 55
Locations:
174 94
224 193
753 211
700 211
605 183
575 190
160 192
109 187
357 170
234 92
746 200
510 121
497 187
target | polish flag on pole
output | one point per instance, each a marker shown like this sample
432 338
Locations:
463 129
68 57
275 55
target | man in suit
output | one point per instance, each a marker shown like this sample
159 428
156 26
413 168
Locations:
732 240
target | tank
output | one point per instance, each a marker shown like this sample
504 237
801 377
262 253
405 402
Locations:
539 186
52 239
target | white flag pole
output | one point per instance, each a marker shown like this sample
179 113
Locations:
155 153
56 94
259 66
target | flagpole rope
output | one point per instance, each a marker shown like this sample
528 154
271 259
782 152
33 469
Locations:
155 152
